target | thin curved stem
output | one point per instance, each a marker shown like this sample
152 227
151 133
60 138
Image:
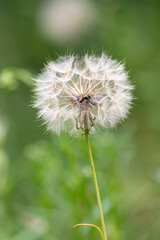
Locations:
96 187
91 225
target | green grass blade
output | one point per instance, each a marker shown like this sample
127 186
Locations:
91 225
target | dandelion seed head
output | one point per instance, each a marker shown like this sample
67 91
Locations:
65 20
81 92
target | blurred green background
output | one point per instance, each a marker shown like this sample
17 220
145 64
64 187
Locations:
45 181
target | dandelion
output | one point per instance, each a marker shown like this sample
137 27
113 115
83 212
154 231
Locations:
63 21
78 93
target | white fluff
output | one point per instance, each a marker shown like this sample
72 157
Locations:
77 93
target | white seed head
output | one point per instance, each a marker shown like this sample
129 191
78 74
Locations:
66 20
79 92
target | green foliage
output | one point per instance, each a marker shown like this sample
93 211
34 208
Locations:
10 77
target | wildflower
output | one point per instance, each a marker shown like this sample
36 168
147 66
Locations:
77 93
66 20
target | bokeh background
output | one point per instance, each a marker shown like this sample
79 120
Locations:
45 181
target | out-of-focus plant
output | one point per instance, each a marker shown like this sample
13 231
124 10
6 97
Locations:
3 158
65 20
10 78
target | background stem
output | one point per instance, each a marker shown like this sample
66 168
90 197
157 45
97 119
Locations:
96 187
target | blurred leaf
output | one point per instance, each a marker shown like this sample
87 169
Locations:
10 77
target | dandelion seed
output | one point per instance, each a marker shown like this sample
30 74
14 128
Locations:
77 93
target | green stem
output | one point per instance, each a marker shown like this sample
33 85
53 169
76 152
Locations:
96 187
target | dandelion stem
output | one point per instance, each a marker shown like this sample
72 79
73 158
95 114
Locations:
96 187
